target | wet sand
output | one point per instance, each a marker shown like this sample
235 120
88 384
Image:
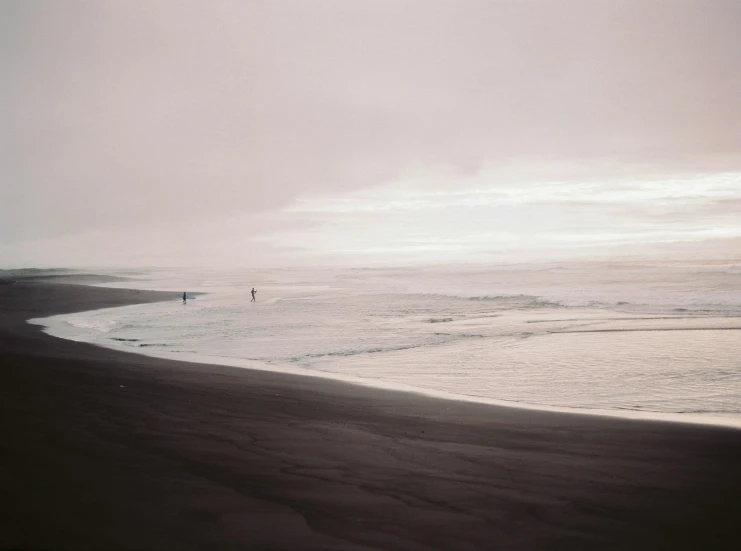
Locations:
105 449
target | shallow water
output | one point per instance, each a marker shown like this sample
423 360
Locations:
650 339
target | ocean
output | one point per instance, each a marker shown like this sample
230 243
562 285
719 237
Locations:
657 340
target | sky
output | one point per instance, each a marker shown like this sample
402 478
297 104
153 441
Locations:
296 132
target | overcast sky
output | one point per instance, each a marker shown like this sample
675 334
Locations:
362 131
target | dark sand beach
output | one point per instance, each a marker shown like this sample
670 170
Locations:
104 449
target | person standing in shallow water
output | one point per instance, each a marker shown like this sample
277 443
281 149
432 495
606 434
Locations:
253 294
185 296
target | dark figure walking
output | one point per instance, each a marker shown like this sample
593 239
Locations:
253 294
185 297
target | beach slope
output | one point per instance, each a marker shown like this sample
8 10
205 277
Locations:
105 449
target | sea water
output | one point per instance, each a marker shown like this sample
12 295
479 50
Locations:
656 340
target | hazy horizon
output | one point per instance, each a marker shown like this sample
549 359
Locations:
352 133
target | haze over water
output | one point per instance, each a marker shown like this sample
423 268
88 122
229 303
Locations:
641 339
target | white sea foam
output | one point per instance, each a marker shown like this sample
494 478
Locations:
659 341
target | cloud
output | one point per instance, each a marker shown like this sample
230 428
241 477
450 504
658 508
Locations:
128 115
477 217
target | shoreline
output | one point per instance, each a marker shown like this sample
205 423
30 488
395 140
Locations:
104 448
54 328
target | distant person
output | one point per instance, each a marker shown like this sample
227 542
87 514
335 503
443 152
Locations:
253 294
185 297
